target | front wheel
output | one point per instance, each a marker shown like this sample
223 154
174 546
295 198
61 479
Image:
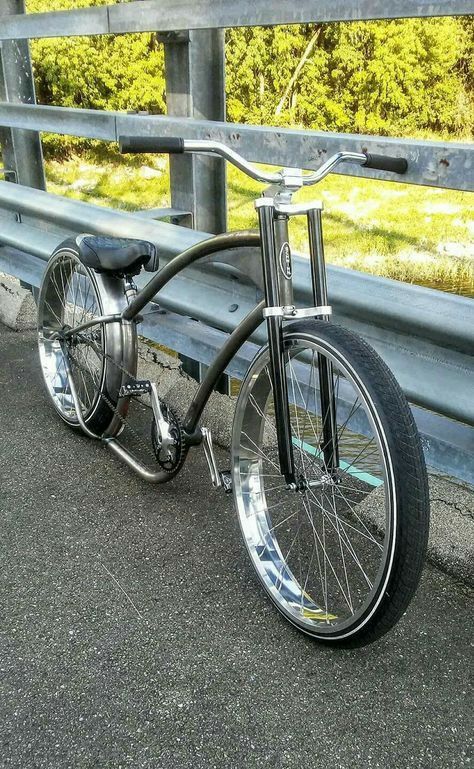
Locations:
341 556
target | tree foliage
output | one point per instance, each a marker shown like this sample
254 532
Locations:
117 72
396 77
405 77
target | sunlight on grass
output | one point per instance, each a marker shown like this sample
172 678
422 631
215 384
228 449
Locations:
414 234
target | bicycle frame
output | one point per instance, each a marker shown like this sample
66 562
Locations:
277 307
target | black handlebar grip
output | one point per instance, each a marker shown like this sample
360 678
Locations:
168 145
385 163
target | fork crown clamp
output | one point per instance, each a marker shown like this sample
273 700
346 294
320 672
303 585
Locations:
289 312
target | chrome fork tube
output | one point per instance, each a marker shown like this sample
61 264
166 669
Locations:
266 215
283 264
330 445
316 250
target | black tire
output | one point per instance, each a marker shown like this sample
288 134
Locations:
405 502
70 295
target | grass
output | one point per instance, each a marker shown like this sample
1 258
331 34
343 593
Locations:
415 234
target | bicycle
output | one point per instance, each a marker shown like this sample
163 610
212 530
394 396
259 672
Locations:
327 469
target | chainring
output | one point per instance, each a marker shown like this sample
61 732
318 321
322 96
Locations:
176 453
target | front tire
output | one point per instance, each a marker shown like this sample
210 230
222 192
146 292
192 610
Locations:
341 557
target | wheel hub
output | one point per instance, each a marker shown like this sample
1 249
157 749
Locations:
303 483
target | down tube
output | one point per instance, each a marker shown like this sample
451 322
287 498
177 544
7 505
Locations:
240 335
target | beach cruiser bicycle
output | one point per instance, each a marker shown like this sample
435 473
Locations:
326 465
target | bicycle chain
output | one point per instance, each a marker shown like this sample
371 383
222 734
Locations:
126 424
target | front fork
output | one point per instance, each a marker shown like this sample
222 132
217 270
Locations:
274 239
277 276
330 443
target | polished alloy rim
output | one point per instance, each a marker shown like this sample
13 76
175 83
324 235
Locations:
323 552
69 297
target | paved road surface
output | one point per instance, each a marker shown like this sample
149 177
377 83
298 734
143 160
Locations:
132 633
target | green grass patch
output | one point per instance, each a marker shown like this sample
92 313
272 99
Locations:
415 234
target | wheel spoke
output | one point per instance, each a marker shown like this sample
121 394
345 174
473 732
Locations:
367 534
327 559
259 452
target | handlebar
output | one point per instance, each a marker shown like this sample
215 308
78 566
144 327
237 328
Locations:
172 146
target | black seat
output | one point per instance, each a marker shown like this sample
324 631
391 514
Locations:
121 256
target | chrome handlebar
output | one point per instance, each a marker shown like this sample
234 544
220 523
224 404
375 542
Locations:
288 177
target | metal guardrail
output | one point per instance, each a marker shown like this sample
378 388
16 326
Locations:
426 337
431 163
148 15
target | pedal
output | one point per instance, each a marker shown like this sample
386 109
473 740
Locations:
135 387
226 479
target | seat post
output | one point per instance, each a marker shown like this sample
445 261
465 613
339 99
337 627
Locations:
130 288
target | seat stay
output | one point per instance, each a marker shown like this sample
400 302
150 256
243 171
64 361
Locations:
99 320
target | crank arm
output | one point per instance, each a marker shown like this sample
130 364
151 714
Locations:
210 457
165 437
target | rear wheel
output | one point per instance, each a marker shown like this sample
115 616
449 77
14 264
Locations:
72 294
341 556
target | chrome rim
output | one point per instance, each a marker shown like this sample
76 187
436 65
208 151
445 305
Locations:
69 297
324 552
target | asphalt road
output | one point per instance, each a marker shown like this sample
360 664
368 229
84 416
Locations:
132 633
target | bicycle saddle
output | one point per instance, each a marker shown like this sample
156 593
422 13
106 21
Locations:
122 256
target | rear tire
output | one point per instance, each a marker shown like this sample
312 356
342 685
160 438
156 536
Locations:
340 560
72 294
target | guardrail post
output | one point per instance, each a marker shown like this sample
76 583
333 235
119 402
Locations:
21 148
195 87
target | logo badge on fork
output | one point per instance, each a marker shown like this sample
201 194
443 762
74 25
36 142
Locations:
285 261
